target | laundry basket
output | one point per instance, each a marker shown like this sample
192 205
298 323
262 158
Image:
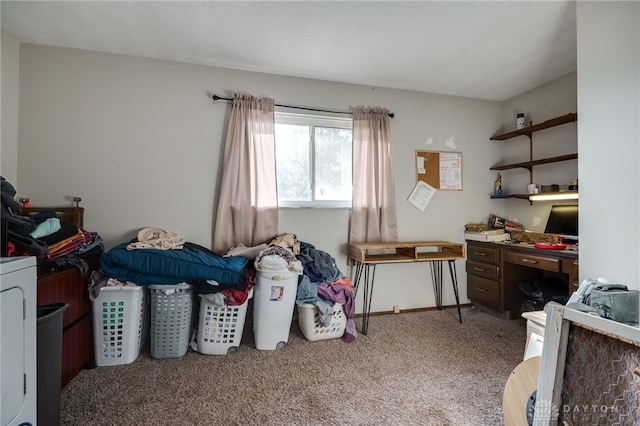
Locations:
171 309
220 328
273 306
118 322
313 329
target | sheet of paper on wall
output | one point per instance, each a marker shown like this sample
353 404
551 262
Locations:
450 170
420 165
421 195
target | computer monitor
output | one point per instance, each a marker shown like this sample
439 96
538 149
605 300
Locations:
563 219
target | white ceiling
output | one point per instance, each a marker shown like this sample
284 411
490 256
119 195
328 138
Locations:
482 49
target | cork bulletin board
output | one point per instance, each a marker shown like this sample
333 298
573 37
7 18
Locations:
440 169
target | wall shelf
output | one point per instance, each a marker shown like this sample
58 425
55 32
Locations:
531 163
532 128
559 195
501 196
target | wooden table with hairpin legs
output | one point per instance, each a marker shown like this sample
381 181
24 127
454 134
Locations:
368 255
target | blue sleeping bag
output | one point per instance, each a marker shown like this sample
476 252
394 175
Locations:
153 266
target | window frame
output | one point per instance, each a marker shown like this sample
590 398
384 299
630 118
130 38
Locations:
315 120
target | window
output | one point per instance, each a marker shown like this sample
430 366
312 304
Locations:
313 160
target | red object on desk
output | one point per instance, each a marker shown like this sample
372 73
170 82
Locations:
545 246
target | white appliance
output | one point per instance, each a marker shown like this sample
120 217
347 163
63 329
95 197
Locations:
18 353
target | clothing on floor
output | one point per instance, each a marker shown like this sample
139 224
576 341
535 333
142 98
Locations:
340 294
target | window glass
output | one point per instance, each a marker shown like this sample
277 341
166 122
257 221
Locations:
292 162
313 160
333 164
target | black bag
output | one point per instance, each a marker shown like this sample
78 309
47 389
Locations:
615 302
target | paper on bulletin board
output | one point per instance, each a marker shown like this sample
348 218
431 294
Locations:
421 195
420 165
450 170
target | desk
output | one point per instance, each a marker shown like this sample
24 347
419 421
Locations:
368 255
495 268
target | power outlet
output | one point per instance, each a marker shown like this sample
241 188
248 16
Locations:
396 309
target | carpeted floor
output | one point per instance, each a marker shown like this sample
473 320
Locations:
422 368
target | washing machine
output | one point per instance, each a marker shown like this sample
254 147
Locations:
18 334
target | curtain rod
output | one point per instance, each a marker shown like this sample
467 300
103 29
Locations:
216 97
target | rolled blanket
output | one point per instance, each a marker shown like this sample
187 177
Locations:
157 238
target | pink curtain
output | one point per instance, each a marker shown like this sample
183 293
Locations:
248 203
373 213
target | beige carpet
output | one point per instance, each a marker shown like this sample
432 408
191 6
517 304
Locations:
422 368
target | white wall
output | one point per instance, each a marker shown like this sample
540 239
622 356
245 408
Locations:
550 100
10 59
140 141
609 137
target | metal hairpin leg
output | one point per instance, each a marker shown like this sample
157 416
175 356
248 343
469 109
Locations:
436 279
454 281
369 275
356 278
436 276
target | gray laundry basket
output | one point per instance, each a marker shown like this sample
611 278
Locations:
171 313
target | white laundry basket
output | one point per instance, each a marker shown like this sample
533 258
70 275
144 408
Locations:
118 324
220 327
274 300
313 329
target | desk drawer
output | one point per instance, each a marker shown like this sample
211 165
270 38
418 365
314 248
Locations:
483 290
483 270
534 261
483 253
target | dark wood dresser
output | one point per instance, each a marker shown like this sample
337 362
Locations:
67 286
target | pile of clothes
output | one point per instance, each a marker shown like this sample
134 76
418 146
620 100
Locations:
321 283
56 244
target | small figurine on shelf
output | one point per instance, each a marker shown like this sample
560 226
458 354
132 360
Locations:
497 185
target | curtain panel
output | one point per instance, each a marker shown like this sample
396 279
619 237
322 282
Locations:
248 204
373 213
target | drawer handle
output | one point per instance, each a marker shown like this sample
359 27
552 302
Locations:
482 290
529 261
479 253
475 268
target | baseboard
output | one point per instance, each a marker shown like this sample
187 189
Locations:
404 311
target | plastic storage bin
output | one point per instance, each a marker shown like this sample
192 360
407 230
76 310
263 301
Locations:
171 309
274 300
49 362
312 327
118 324
220 327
